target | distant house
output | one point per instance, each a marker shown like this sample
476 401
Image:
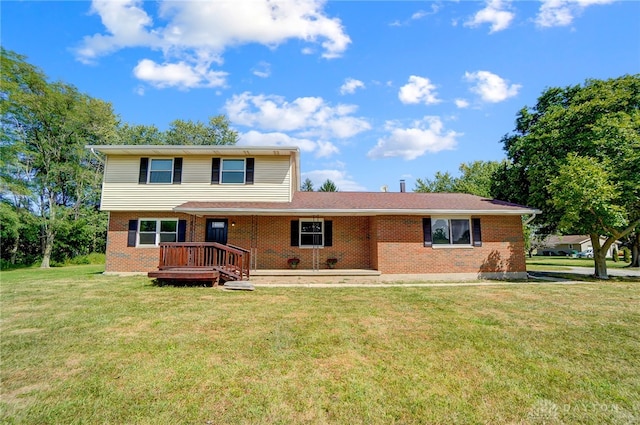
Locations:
569 244
249 198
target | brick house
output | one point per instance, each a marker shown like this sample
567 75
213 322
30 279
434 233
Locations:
249 197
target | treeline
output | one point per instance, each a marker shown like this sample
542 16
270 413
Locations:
49 182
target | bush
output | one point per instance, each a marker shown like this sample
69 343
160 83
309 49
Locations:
93 258
626 252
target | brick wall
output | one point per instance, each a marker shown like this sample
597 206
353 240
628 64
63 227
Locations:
391 244
120 257
401 248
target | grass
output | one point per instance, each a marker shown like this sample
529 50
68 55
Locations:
562 263
80 347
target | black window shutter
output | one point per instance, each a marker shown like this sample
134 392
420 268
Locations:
144 167
295 233
133 230
182 230
477 232
328 233
215 171
426 231
249 171
177 170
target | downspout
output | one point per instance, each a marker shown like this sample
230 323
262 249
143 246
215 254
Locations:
96 155
530 219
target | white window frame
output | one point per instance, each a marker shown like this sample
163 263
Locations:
151 166
158 232
434 244
300 232
244 170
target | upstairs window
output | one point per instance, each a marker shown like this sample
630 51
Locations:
232 171
160 170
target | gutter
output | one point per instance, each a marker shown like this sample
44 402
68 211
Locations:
354 212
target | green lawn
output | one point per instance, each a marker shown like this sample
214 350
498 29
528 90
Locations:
546 263
80 347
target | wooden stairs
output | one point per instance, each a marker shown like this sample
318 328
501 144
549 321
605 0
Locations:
203 262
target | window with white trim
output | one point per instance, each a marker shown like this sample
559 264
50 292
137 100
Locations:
311 233
232 171
451 231
154 231
161 170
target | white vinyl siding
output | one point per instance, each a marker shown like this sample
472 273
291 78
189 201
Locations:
122 192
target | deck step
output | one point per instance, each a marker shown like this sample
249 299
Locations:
195 274
241 285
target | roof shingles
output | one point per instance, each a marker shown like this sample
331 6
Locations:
363 202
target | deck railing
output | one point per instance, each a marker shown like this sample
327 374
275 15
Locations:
229 259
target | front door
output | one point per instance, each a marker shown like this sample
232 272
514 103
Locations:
217 230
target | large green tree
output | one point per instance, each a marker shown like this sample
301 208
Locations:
576 156
475 178
45 126
217 131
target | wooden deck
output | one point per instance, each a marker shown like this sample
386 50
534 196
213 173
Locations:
202 261
187 274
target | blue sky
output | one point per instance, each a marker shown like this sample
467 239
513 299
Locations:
371 91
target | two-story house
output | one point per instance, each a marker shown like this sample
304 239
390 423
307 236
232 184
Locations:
250 197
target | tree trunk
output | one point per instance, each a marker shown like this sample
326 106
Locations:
600 266
599 257
47 248
635 251
49 234
14 250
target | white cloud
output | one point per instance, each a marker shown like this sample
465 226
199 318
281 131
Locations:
462 103
326 149
341 178
490 87
321 149
262 70
197 33
558 13
416 16
181 75
126 24
418 90
350 86
426 135
495 14
310 116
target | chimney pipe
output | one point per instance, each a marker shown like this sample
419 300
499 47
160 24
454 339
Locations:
402 187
